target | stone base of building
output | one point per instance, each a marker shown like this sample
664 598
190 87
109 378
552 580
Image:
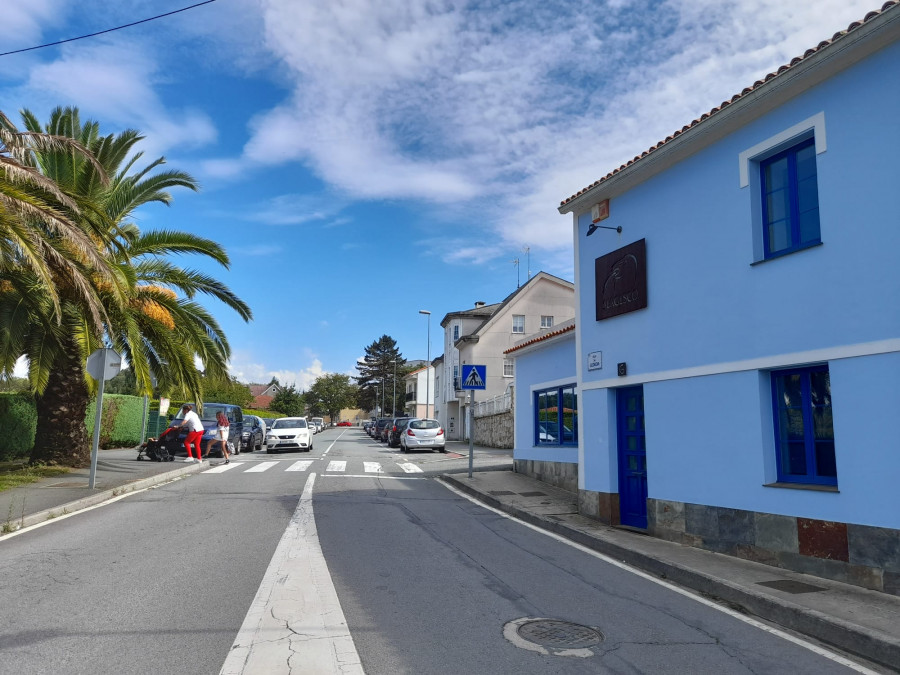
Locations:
855 554
558 474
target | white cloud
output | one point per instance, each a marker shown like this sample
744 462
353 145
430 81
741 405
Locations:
246 369
507 110
114 82
22 22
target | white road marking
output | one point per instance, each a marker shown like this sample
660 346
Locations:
262 466
837 658
373 467
295 623
300 466
337 466
221 468
409 468
368 475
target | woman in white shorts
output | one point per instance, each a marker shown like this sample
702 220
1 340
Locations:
222 433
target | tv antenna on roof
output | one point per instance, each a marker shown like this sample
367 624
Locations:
516 263
527 252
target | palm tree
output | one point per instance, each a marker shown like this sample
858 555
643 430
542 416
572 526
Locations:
39 231
153 327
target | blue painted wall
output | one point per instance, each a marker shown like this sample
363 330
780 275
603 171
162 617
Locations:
551 365
709 436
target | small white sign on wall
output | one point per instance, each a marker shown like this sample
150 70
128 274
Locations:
595 361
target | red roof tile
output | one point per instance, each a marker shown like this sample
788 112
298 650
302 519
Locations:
565 328
797 59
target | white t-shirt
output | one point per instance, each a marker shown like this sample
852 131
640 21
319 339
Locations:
192 420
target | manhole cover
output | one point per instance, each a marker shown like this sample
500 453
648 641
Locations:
559 634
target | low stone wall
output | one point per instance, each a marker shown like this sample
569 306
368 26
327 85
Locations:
558 474
495 431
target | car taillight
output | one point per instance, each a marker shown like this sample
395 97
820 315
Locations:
440 432
394 429
409 432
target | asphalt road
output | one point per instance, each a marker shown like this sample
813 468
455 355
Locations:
428 582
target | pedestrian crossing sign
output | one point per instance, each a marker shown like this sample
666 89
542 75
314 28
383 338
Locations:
474 377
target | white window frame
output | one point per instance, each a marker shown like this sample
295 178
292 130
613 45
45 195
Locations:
546 321
509 368
515 322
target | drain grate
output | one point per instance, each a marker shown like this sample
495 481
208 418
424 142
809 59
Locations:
793 587
559 634
533 494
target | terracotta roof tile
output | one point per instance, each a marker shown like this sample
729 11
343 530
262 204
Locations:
563 328
746 90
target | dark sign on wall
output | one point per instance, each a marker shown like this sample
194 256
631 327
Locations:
621 280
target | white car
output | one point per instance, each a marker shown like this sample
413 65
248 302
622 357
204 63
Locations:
289 433
422 433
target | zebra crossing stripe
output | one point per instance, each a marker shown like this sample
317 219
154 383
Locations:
221 468
300 466
373 467
410 468
262 466
337 466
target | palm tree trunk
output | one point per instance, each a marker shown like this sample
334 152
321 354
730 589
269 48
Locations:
61 436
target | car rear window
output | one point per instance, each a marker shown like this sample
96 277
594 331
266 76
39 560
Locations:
424 424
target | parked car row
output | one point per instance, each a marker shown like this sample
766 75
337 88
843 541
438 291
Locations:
407 433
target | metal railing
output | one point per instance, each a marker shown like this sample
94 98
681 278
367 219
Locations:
492 406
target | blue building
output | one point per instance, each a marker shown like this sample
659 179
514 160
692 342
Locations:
737 339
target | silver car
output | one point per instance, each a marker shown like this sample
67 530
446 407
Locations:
425 434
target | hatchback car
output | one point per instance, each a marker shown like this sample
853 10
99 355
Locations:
289 433
254 435
378 427
423 434
395 430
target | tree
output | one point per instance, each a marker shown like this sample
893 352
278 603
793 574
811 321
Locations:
226 390
377 367
288 401
331 394
123 383
150 315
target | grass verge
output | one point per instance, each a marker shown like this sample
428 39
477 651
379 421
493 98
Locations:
13 474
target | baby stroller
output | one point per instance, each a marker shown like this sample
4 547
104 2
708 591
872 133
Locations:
155 450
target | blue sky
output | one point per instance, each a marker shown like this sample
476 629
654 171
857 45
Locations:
363 160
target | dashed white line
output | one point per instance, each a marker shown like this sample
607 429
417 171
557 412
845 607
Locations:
302 465
410 468
373 467
337 466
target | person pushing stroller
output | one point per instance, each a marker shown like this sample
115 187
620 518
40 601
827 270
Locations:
195 432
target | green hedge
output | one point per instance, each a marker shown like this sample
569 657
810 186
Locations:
18 420
120 423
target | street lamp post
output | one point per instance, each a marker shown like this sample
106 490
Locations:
427 362
394 399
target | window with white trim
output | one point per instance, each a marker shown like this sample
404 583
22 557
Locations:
546 321
518 323
509 368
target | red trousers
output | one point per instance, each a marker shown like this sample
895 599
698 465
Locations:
193 438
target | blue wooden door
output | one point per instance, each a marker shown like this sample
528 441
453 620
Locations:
632 457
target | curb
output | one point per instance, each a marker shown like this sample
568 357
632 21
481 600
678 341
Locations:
100 497
867 643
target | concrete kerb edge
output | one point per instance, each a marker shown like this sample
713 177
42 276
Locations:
867 643
100 497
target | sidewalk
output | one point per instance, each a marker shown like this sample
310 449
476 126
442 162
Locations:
117 472
859 621
854 619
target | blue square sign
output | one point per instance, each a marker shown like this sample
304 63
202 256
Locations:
474 377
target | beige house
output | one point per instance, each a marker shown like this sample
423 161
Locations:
419 398
480 336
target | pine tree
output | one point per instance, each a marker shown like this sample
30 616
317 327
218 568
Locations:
381 361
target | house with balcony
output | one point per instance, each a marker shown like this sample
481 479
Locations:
737 336
481 334
419 388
